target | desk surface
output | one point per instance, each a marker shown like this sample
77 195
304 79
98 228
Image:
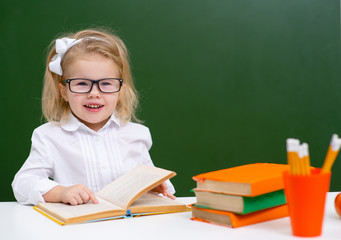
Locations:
22 222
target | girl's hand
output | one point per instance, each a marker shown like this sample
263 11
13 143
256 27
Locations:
162 188
74 195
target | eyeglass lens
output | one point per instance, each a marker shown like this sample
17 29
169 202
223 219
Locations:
105 85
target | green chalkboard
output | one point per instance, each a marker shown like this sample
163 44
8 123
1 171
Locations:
222 83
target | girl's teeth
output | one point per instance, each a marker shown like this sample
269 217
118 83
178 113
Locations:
93 106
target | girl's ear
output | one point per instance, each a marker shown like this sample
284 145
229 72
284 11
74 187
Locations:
63 90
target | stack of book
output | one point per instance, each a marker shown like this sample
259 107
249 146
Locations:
241 196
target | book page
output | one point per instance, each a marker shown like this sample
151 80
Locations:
124 190
66 211
151 202
152 199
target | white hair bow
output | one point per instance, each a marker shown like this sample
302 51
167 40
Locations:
62 46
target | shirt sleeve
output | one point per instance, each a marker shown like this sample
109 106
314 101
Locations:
33 179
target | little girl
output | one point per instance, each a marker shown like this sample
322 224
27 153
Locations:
89 100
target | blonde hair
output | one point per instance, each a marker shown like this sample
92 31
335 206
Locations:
102 42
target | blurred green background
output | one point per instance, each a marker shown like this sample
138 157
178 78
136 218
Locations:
222 82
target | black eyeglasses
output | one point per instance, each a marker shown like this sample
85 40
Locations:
105 85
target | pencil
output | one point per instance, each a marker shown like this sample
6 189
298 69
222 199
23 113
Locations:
305 159
333 150
292 154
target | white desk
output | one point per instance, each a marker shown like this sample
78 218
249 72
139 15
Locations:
23 223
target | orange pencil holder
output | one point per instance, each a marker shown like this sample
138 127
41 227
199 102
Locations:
306 197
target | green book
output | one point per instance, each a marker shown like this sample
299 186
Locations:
239 204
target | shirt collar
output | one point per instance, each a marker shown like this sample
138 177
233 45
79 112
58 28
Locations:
71 123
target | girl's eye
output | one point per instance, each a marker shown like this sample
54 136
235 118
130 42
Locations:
106 83
82 83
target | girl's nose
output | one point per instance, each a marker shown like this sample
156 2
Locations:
94 91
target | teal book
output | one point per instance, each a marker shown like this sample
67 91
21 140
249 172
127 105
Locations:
239 204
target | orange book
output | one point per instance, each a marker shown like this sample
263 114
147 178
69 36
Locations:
247 180
233 220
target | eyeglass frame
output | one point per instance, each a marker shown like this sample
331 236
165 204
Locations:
92 84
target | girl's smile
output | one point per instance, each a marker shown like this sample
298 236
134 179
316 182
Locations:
93 108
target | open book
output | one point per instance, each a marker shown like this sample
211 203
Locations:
126 196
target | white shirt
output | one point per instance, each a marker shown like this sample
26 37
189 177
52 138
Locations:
69 153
